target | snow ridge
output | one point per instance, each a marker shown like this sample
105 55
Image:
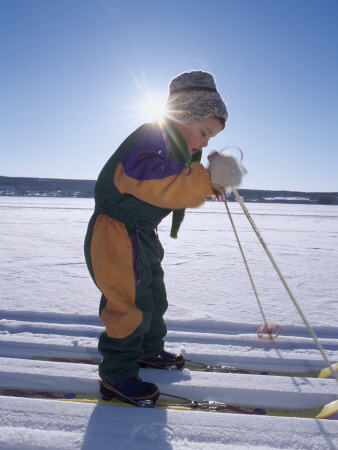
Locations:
238 345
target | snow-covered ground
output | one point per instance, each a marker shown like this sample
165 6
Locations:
49 307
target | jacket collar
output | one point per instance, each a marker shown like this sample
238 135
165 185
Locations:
177 146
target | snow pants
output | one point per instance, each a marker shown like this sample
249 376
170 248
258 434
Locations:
125 264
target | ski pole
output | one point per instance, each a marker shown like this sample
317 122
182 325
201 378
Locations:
310 329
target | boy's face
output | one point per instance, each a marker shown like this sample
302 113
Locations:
197 135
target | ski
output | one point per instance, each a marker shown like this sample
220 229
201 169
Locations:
201 367
171 402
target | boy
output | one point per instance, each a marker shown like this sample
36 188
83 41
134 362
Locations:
155 171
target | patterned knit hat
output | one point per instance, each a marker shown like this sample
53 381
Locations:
193 97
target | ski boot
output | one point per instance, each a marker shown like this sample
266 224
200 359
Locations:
133 391
164 360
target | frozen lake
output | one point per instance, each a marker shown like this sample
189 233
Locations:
43 266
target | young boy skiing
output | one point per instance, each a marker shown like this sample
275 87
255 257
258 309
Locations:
155 171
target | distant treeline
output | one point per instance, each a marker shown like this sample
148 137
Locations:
46 187
49 187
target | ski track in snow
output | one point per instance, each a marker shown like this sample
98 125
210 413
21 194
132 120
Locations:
213 331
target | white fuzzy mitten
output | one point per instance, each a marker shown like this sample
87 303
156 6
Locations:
225 170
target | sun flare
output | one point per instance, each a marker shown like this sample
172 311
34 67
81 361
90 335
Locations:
154 109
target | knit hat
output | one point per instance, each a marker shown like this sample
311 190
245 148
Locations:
193 97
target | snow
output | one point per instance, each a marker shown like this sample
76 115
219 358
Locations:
49 307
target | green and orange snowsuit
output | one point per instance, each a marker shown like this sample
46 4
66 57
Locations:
145 179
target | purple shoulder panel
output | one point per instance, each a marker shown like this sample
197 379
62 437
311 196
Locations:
149 158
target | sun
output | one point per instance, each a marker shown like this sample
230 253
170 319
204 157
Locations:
154 109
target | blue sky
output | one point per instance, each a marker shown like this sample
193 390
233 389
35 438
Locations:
75 75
